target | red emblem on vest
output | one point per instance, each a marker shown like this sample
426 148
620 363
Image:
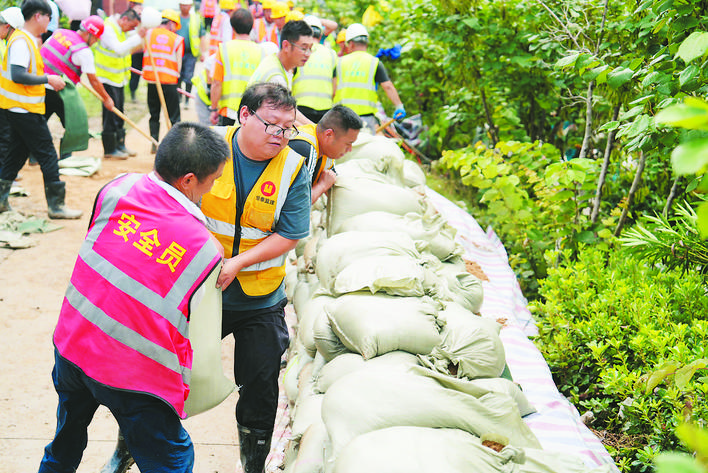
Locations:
268 188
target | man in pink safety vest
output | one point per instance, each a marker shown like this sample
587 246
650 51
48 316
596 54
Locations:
122 336
69 53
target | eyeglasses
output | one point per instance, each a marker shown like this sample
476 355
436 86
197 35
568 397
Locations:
302 48
275 130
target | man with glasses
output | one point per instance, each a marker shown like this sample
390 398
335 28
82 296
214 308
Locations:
296 40
258 209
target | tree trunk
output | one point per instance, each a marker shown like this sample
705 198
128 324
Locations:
588 121
632 190
490 119
672 197
605 166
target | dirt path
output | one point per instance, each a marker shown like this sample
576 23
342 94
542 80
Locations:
32 285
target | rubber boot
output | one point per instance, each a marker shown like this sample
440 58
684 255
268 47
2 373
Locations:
110 147
56 192
255 447
121 460
5 187
120 138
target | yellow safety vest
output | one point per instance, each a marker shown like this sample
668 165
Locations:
195 24
27 97
201 84
356 86
269 68
240 59
3 48
315 165
260 214
111 66
312 84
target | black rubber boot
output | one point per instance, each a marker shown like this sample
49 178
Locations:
255 447
55 193
5 187
120 138
121 460
110 147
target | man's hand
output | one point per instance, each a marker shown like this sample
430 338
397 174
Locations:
142 32
214 118
57 82
108 103
327 179
229 269
399 113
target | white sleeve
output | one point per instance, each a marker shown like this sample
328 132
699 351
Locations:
84 60
19 53
109 40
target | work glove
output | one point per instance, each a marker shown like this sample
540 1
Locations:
399 113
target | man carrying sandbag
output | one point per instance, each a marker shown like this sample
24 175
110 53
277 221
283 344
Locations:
122 336
68 53
321 144
258 210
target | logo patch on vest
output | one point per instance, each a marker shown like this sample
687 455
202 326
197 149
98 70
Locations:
267 189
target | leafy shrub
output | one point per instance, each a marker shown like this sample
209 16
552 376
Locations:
624 340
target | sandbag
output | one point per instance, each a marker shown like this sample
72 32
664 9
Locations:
379 171
372 325
392 275
433 232
385 152
424 450
304 289
373 399
209 386
413 175
310 456
470 346
297 359
307 316
350 362
328 344
306 413
354 196
460 286
338 251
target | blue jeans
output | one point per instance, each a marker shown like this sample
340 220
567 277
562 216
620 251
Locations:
187 71
151 428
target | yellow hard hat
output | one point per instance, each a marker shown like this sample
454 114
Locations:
137 1
172 15
267 4
227 4
294 15
341 36
290 3
279 10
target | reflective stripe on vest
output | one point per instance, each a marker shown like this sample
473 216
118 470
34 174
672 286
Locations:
214 33
163 45
266 32
356 86
316 163
3 49
12 94
124 320
195 24
240 59
269 68
312 84
111 66
260 214
57 51
200 83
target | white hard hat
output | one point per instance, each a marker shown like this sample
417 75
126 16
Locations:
13 17
313 21
354 31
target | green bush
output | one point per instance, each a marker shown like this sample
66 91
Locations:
624 340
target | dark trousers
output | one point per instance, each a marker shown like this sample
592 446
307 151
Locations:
152 430
111 122
226 121
154 106
28 133
136 62
313 115
187 71
261 339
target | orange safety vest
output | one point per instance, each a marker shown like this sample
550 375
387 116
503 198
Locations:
166 48
124 320
266 32
12 94
214 32
209 8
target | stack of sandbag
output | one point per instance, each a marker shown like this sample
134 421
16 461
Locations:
391 363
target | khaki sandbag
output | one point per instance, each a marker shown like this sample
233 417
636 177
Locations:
209 386
309 313
413 175
392 275
372 325
460 286
424 450
384 151
379 171
304 289
354 196
350 362
374 399
328 344
310 456
307 412
470 346
298 358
